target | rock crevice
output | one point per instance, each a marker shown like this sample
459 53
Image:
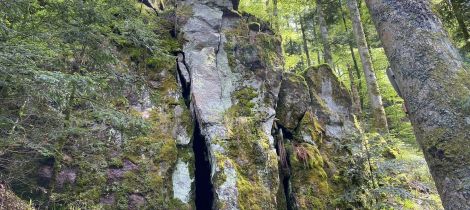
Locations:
316 137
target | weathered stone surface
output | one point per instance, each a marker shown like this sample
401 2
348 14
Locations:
108 199
294 100
136 201
183 70
331 101
182 182
114 174
66 176
209 81
321 149
233 98
183 126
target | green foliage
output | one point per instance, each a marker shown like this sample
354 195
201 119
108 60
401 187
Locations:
401 175
66 71
450 11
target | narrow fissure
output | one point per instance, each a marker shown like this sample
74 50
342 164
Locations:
204 192
287 192
204 189
284 165
185 85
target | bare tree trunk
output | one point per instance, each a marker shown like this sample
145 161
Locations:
304 39
315 39
353 56
366 33
378 112
436 88
354 93
275 15
324 35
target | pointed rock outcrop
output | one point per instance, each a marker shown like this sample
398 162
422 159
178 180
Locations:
235 79
323 150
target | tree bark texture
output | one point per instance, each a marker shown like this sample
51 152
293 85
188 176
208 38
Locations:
356 101
436 89
353 56
375 99
324 35
304 40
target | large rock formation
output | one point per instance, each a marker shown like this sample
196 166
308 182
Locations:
220 127
235 77
316 145
234 73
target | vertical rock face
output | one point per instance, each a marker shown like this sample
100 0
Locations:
153 170
235 79
320 169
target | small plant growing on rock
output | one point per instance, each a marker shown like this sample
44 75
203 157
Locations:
302 155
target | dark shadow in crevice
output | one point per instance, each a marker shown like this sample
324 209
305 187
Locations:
204 192
286 133
204 187
185 85
281 134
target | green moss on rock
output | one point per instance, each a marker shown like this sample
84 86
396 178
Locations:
244 104
309 183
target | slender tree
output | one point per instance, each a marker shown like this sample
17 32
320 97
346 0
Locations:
275 15
324 35
378 112
436 88
315 39
304 40
354 93
353 56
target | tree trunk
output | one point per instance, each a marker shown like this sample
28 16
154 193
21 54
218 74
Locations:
275 16
324 35
315 39
353 56
304 39
354 93
436 89
366 33
460 20
378 112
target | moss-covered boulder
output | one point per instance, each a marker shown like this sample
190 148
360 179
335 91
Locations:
324 169
294 101
331 101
